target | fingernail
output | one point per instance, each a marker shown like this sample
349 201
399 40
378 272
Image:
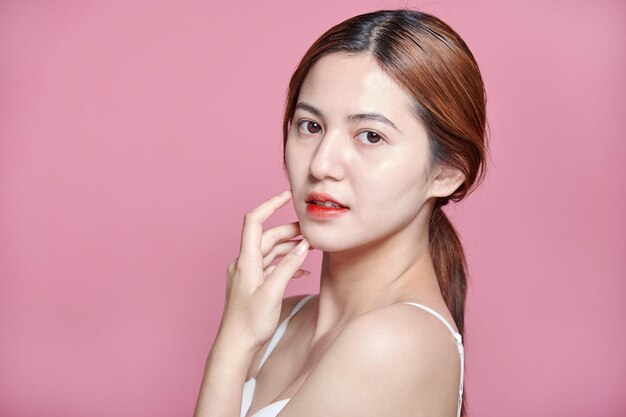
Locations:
302 247
285 193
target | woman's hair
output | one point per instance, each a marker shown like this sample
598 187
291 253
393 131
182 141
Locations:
436 68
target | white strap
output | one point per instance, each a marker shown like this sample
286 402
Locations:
459 344
278 334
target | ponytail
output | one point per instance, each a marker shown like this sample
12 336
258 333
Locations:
449 262
448 258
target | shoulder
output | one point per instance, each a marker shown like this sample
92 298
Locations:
399 335
401 348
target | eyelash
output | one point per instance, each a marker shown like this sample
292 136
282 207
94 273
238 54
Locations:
382 138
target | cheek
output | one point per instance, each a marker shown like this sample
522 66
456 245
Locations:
393 192
290 157
296 166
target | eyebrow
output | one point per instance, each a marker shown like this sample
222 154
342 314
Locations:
351 117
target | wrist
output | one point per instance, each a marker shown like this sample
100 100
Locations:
225 373
236 342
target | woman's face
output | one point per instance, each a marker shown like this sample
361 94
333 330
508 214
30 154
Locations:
375 169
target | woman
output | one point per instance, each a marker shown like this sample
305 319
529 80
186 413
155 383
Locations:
384 124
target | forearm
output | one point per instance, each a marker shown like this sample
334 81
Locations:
224 375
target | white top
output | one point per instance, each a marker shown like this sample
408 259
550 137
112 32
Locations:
272 410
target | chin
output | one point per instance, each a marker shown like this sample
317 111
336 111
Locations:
326 247
325 242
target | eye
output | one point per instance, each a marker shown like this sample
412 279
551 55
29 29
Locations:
307 129
371 137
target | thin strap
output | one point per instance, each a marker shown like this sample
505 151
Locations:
278 334
457 335
459 344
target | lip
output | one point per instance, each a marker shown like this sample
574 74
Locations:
319 196
321 212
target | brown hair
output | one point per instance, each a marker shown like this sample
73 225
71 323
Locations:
435 66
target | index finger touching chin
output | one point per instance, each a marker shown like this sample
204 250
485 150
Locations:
252 231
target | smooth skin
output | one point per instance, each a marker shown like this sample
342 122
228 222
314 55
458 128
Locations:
355 349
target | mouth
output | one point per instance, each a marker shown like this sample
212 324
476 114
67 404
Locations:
324 206
324 200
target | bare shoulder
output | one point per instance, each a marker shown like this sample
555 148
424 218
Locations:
395 360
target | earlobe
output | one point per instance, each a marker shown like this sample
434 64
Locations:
447 181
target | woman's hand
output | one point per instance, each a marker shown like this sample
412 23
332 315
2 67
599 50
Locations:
255 288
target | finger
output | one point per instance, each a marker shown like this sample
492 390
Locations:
268 270
279 278
280 249
278 234
299 273
250 249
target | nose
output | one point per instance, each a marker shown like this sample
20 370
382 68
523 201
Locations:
329 156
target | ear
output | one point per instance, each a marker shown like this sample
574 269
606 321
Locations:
446 181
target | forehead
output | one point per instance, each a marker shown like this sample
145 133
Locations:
341 84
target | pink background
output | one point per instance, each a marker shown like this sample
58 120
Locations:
135 135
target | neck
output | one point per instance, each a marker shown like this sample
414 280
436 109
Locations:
380 273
